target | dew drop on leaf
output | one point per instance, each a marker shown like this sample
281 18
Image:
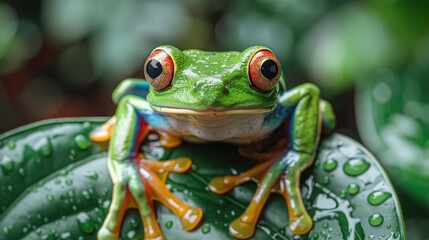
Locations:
6 231
375 220
50 197
7 165
66 236
21 172
206 229
131 234
82 142
169 224
343 194
353 189
86 195
325 180
12 145
85 223
87 126
330 165
69 182
356 166
378 197
92 175
134 224
44 147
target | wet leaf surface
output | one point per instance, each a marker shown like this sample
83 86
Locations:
392 110
54 184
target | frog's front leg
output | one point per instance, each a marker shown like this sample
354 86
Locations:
286 168
135 180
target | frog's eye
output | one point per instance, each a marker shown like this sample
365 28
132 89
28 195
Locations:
264 70
159 69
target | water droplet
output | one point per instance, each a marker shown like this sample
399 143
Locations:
7 165
21 172
378 197
194 167
85 223
343 194
206 229
330 165
87 126
12 145
50 197
6 231
10 188
134 224
353 189
70 194
375 220
106 204
388 226
325 180
92 175
82 142
63 172
169 224
66 236
69 182
325 225
44 147
131 234
86 195
356 166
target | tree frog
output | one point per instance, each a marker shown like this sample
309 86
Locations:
197 96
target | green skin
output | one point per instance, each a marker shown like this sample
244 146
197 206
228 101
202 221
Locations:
198 87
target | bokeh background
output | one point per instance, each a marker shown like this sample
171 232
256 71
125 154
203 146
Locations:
63 58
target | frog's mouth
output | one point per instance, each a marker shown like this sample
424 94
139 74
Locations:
237 111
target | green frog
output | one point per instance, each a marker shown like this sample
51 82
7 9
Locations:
197 96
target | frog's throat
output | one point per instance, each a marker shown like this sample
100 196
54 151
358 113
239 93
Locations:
236 111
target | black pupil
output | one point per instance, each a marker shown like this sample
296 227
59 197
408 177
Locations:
269 69
154 68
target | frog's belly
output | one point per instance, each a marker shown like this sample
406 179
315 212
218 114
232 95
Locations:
238 129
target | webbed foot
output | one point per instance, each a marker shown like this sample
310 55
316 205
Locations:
279 175
139 185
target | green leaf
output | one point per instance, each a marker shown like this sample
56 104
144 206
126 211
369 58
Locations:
54 184
394 122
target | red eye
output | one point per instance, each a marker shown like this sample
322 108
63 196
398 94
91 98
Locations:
159 69
264 70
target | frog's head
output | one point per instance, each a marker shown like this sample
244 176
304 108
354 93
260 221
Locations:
194 82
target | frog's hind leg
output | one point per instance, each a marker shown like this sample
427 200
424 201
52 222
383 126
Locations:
304 137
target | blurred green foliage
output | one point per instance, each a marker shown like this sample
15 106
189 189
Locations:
64 58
